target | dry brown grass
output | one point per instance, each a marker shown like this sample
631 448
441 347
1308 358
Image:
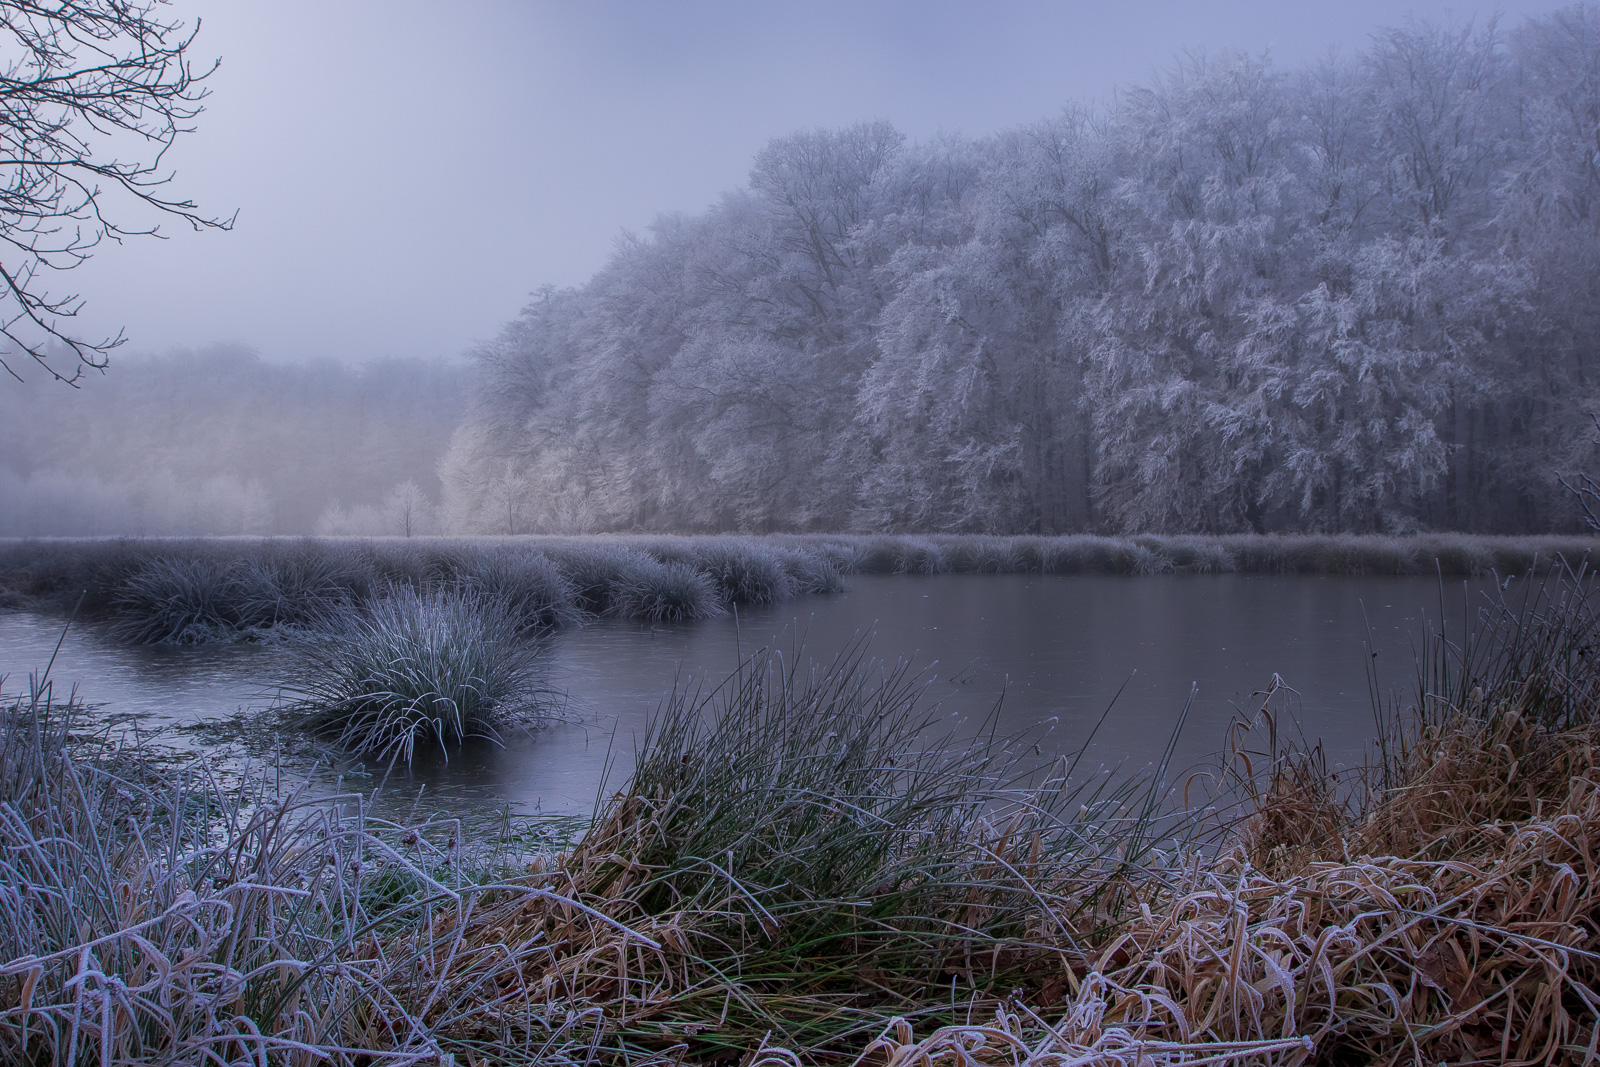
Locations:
1438 906
1456 922
1452 919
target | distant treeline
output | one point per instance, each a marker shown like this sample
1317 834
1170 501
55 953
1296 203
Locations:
1360 296
221 442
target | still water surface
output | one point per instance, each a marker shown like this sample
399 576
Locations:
1047 648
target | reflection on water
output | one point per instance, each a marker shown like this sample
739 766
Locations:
1054 647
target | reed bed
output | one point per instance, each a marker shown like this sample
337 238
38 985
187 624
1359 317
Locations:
221 588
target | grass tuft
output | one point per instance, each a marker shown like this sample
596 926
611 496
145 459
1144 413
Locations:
531 588
597 573
181 601
743 572
812 572
665 592
414 668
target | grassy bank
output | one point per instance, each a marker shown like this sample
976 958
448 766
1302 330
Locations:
795 875
198 590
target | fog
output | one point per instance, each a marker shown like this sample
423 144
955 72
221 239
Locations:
218 441
407 177
406 173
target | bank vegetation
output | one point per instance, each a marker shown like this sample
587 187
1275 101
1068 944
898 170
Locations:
798 872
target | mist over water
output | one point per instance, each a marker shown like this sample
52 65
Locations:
1051 652
220 441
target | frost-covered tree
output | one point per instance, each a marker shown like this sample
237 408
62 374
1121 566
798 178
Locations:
1358 296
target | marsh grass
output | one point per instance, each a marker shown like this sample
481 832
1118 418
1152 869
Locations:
807 867
665 592
414 668
812 572
597 573
828 884
194 590
809 848
744 573
298 589
531 587
151 916
183 601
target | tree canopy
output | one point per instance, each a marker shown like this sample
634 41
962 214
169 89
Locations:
1362 295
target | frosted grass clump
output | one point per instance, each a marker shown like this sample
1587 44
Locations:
292 590
597 575
1149 559
429 668
151 915
172 600
812 572
1197 556
665 592
1084 554
531 588
843 556
189 600
919 555
744 573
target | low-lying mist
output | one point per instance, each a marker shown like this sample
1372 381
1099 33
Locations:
220 442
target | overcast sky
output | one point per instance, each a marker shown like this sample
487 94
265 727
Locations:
407 172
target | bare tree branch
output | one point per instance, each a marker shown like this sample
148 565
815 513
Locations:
1587 491
92 95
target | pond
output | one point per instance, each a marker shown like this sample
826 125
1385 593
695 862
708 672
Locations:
1045 649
